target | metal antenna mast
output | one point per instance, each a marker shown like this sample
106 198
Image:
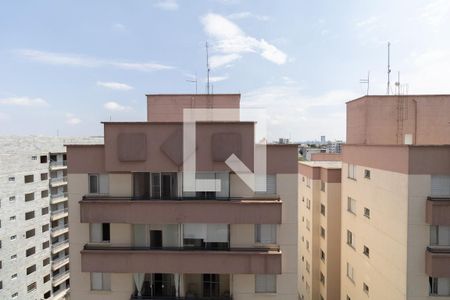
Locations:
194 81
366 81
207 69
389 69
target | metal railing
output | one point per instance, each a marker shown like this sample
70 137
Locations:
60 259
60 163
107 246
439 249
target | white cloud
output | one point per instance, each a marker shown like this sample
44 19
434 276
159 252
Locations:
77 60
115 85
369 23
218 78
4 117
436 12
71 119
294 114
114 106
217 61
24 101
229 39
119 27
246 15
167 4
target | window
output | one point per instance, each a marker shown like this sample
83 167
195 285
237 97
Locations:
365 288
308 182
366 251
367 174
308 227
31 287
12 198
266 233
100 232
322 186
351 171
47 295
12 218
29 215
43 159
366 212
351 205
14 257
307 267
265 283
322 278
322 255
45 228
322 232
44 194
44 176
100 281
348 298
46 278
30 233
46 261
439 286
11 178
440 235
30 251
45 245
1 285
13 237
308 203
28 178
322 209
29 197
349 271
44 211
31 269
14 276
15 295
350 239
98 183
307 245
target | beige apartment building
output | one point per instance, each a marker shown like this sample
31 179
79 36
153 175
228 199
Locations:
136 233
319 229
396 199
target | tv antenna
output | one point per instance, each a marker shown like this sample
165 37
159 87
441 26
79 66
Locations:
194 80
389 69
207 68
366 81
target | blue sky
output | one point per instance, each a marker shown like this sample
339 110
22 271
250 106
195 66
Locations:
68 65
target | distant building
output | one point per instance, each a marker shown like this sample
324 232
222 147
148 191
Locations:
322 139
334 147
34 233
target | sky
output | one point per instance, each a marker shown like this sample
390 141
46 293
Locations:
65 66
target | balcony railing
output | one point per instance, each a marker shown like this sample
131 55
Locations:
58 211
107 246
261 197
180 298
60 163
438 211
58 179
54 229
59 195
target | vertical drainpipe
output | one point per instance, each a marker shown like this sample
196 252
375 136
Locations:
415 122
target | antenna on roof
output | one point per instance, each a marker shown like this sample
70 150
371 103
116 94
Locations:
389 69
397 84
194 81
366 81
207 68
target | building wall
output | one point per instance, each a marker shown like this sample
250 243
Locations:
385 233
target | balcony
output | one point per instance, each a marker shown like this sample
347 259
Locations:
61 293
58 165
57 231
60 246
58 181
255 210
438 211
129 259
58 198
60 262
59 214
438 261
60 278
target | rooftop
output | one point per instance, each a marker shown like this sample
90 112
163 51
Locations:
323 164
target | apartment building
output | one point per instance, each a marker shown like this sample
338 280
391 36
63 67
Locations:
136 232
320 229
34 218
396 198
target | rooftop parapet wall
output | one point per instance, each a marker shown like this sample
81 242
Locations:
169 108
397 120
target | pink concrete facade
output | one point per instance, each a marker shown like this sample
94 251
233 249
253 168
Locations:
437 263
438 211
169 108
174 212
166 261
326 156
382 120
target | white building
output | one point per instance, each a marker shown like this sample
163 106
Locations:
34 238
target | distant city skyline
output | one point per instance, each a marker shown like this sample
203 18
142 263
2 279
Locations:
68 66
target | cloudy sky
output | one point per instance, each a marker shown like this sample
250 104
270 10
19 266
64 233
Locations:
67 65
